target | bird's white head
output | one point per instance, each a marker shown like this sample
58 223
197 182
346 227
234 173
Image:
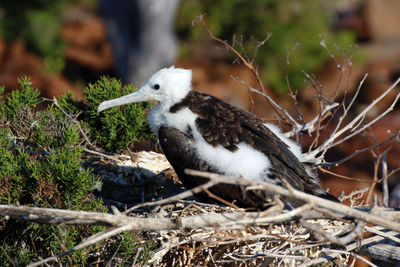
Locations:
167 86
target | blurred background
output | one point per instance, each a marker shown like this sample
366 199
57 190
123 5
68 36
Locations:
65 44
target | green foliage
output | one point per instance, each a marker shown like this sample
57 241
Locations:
38 23
26 96
41 165
116 128
289 21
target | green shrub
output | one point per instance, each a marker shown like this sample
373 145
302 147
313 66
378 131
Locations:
289 21
115 128
41 165
25 97
38 23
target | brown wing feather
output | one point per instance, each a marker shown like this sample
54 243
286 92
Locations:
221 123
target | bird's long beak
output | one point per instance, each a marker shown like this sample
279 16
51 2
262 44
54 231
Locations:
134 97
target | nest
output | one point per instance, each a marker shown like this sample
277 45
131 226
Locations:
283 244
192 233
290 242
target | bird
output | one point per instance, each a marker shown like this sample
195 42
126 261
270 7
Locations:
202 132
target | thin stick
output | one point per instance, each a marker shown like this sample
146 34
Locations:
385 187
174 198
94 152
375 179
346 177
359 151
272 102
246 62
375 230
220 199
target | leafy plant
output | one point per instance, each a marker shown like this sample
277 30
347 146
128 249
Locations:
41 165
25 97
38 23
116 128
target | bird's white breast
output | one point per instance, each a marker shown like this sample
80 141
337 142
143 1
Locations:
181 120
246 161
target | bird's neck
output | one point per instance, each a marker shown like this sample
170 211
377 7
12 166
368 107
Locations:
156 118
176 96
173 115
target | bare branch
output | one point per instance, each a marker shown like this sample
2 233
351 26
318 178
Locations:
310 127
375 178
316 201
94 152
385 187
377 230
359 151
246 62
282 110
174 198
234 220
330 142
346 177
259 45
346 109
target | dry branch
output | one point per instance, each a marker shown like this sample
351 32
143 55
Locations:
354 127
211 223
316 201
249 64
234 220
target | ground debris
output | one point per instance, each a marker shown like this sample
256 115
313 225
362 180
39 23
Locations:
135 177
150 175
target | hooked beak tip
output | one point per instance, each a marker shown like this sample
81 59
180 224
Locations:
100 108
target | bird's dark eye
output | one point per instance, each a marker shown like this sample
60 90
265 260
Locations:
156 86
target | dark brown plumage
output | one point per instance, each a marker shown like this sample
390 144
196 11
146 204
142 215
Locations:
221 123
